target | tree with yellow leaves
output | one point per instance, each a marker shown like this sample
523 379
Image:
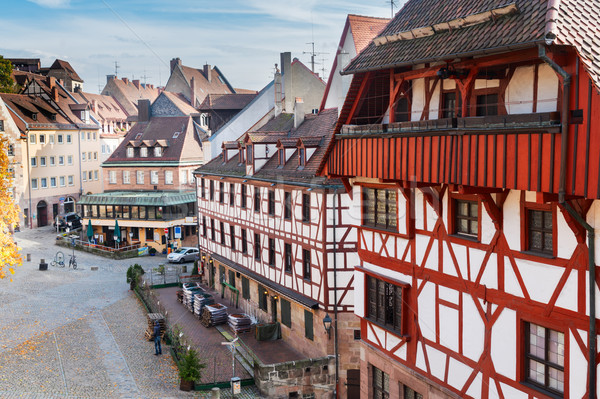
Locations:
9 216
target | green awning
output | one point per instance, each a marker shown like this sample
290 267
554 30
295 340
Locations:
142 198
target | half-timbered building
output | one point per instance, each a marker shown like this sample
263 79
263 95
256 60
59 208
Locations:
272 229
469 143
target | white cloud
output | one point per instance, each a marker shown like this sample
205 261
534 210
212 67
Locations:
52 3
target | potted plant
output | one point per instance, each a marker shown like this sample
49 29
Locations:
190 369
134 273
152 251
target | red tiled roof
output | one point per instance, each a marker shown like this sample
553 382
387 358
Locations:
364 29
60 64
226 101
106 107
203 86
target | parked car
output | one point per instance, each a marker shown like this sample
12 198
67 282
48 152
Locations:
71 220
183 254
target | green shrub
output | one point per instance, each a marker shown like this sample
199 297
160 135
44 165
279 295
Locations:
134 274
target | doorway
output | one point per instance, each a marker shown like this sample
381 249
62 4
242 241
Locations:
353 384
42 212
274 309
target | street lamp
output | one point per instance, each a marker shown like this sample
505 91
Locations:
130 237
116 241
327 324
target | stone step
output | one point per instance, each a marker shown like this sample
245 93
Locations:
241 354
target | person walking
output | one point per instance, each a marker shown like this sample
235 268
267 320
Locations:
157 348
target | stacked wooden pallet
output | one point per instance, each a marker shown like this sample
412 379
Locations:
188 297
201 300
153 318
180 296
213 315
239 322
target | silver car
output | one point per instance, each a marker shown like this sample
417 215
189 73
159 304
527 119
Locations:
183 254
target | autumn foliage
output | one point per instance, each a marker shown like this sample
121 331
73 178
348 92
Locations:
9 216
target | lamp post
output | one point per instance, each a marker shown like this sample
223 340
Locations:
116 241
327 325
130 237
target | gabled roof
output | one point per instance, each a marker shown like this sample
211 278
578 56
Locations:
105 108
226 101
178 101
217 85
364 29
64 65
127 93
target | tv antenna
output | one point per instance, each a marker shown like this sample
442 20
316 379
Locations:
392 5
313 54
116 68
145 77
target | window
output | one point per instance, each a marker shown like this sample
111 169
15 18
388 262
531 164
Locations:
42 161
384 302
288 258
271 203
139 177
256 246
42 138
286 313
154 177
33 162
204 226
232 236
84 175
243 196
51 138
381 384
168 177
271 252
213 229
52 161
61 181
83 156
70 180
183 179
130 151
112 177
262 297
380 208
257 199
126 179
69 159
305 208
281 154
158 151
232 278
95 155
466 218
211 190
44 182
34 184
540 231
11 149
449 106
1 125
308 324
144 152
222 233
95 175
89 156
231 194
69 139
221 192
487 104
245 288
61 160
32 139
287 205
53 182
301 157
410 393
544 358
306 264
202 187
149 234
249 154
244 242
59 138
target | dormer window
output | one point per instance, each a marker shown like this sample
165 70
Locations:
129 152
144 152
176 134
249 154
158 151
301 157
281 157
138 136
241 156
34 116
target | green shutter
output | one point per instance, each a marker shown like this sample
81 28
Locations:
308 325
245 288
286 313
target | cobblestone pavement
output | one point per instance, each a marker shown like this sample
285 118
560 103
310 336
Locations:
68 333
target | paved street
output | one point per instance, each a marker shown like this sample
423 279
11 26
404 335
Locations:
78 333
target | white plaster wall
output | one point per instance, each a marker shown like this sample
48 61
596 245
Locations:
540 279
490 275
418 99
359 289
519 92
566 239
401 214
421 242
485 83
432 217
547 89
487 226
419 210
578 366
339 84
512 222
427 311
437 362
434 103
504 344
476 257
458 373
473 329
448 84
448 327
567 298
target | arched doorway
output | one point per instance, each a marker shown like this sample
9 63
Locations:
69 205
42 213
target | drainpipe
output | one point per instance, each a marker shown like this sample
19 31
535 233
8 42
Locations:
590 230
335 309
28 161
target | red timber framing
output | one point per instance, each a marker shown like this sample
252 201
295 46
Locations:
284 231
445 270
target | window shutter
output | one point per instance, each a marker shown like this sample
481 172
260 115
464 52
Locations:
308 325
286 313
245 288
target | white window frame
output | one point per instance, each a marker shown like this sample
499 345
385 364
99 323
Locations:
83 157
44 182
52 160
32 139
168 177
60 139
95 175
130 152
53 182
43 161
183 176
158 151
70 180
144 152
61 160
126 177
34 184
112 177
69 139
51 139
69 159
34 162
139 177
84 175
61 181
154 177
42 139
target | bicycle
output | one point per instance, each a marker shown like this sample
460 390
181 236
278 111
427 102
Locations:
59 260
73 262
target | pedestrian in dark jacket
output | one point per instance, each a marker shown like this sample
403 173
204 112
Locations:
157 348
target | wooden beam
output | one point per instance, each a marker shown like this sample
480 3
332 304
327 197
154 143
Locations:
347 186
476 190
492 209
363 84
428 94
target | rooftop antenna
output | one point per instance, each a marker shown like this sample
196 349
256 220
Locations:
312 53
116 68
392 5
99 84
145 77
323 68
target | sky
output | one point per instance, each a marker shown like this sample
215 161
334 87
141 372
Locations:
242 37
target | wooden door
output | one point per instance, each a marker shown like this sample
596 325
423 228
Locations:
353 384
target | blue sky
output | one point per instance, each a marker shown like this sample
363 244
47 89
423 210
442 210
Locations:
242 37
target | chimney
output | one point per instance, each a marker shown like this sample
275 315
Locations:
51 81
277 87
55 93
286 71
193 95
298 112
144 110
175 62
136 83
110 77
125 80
207 72
94 105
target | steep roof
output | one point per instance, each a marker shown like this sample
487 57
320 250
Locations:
106 108
226 101
176 132
364 29
127 93
180 102
64 65
317 129
217 85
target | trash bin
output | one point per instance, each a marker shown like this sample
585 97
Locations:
236 385
43 264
